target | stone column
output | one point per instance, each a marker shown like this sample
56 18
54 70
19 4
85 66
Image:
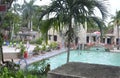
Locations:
105 40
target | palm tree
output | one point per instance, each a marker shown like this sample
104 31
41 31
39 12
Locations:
66 10
37 14
28 10
116 22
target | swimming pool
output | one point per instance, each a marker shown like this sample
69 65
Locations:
106 58
97 48
94 57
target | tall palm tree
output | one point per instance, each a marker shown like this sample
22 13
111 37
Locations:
28 9
79 10
116 22
37 14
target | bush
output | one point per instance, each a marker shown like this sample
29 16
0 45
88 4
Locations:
53 45
11 74
39 41
36 50
43 47
39 68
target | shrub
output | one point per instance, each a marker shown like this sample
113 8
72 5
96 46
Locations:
36 49
39 41
53 45
22 49
43 47
11 74
39 68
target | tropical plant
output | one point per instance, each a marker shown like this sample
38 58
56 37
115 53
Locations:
28 10
22 49
36 50
53 45
14 74
36 16
65 11
39 68
44 48
7 2
116 22
2 15
39 41
10 23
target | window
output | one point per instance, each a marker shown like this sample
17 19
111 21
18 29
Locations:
94 38
87 39
55 37
49 36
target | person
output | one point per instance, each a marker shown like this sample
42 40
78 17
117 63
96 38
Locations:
47 69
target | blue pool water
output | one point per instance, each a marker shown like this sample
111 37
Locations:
97 48
96 57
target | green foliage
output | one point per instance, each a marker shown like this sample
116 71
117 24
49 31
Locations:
36 49
39 68
11 74
10 65
22 48
11 20
43 47
1 39
53 45
36 70
39 41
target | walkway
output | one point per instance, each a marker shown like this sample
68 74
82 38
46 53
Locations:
39 57
11 53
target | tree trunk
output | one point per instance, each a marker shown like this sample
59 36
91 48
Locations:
12 32
1 50
68 53
68 45
31 23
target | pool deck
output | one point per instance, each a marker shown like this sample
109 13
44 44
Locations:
39 57
11 53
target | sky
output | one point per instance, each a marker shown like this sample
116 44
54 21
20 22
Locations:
114 5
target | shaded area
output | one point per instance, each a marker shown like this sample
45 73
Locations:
85 70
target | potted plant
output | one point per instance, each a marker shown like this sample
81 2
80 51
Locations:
43 49
36 50
22 51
